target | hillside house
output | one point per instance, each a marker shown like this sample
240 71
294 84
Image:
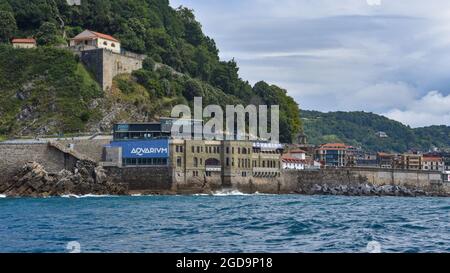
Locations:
24 43
89 39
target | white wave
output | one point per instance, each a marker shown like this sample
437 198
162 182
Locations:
141 195
2 196
229 193
85 196
235 193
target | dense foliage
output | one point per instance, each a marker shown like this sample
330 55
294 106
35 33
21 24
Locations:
360 129
169 36
45 89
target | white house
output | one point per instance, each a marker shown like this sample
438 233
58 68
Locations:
24 43
299 154
292 163
94 39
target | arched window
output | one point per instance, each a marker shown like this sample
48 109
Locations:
213 162
105 43
113 44
195 162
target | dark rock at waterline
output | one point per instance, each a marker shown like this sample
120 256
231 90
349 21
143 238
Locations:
365 190
34 181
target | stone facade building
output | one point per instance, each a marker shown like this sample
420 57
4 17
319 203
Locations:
433 163
220 163
103 56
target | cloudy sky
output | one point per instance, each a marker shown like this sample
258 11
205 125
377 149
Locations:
390 57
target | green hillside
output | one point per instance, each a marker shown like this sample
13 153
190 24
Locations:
360 128
169 36
44 90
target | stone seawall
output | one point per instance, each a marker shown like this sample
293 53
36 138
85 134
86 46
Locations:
14 156
142 180
165 180
92 148
368 181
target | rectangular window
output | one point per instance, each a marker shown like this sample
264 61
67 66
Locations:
179 162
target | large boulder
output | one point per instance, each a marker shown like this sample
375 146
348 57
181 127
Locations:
33 180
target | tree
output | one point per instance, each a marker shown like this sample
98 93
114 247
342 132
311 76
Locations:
192 29
8 26
192 89
49 34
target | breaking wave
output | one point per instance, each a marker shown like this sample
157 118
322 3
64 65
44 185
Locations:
85 196
233 192
229 192
141 195
2 196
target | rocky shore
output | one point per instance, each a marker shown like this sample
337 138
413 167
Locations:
87 178
32 180
368 190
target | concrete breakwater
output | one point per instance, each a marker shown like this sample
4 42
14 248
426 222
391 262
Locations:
62 163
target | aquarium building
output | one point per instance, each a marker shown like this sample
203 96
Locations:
147 152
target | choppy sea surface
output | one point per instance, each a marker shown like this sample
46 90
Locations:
225 222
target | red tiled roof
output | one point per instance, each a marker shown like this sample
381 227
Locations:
23 41
297 152
333 146
289 159
384 154
432 158
105 36
98 35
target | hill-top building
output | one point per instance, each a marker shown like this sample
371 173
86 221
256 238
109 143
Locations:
92 40
103 56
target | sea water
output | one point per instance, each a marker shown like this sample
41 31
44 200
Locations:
225 222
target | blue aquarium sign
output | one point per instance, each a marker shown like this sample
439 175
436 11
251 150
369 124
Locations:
143 149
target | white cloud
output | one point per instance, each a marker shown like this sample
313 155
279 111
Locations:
380 96
433 108
341 55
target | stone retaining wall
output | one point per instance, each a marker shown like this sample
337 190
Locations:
14 156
